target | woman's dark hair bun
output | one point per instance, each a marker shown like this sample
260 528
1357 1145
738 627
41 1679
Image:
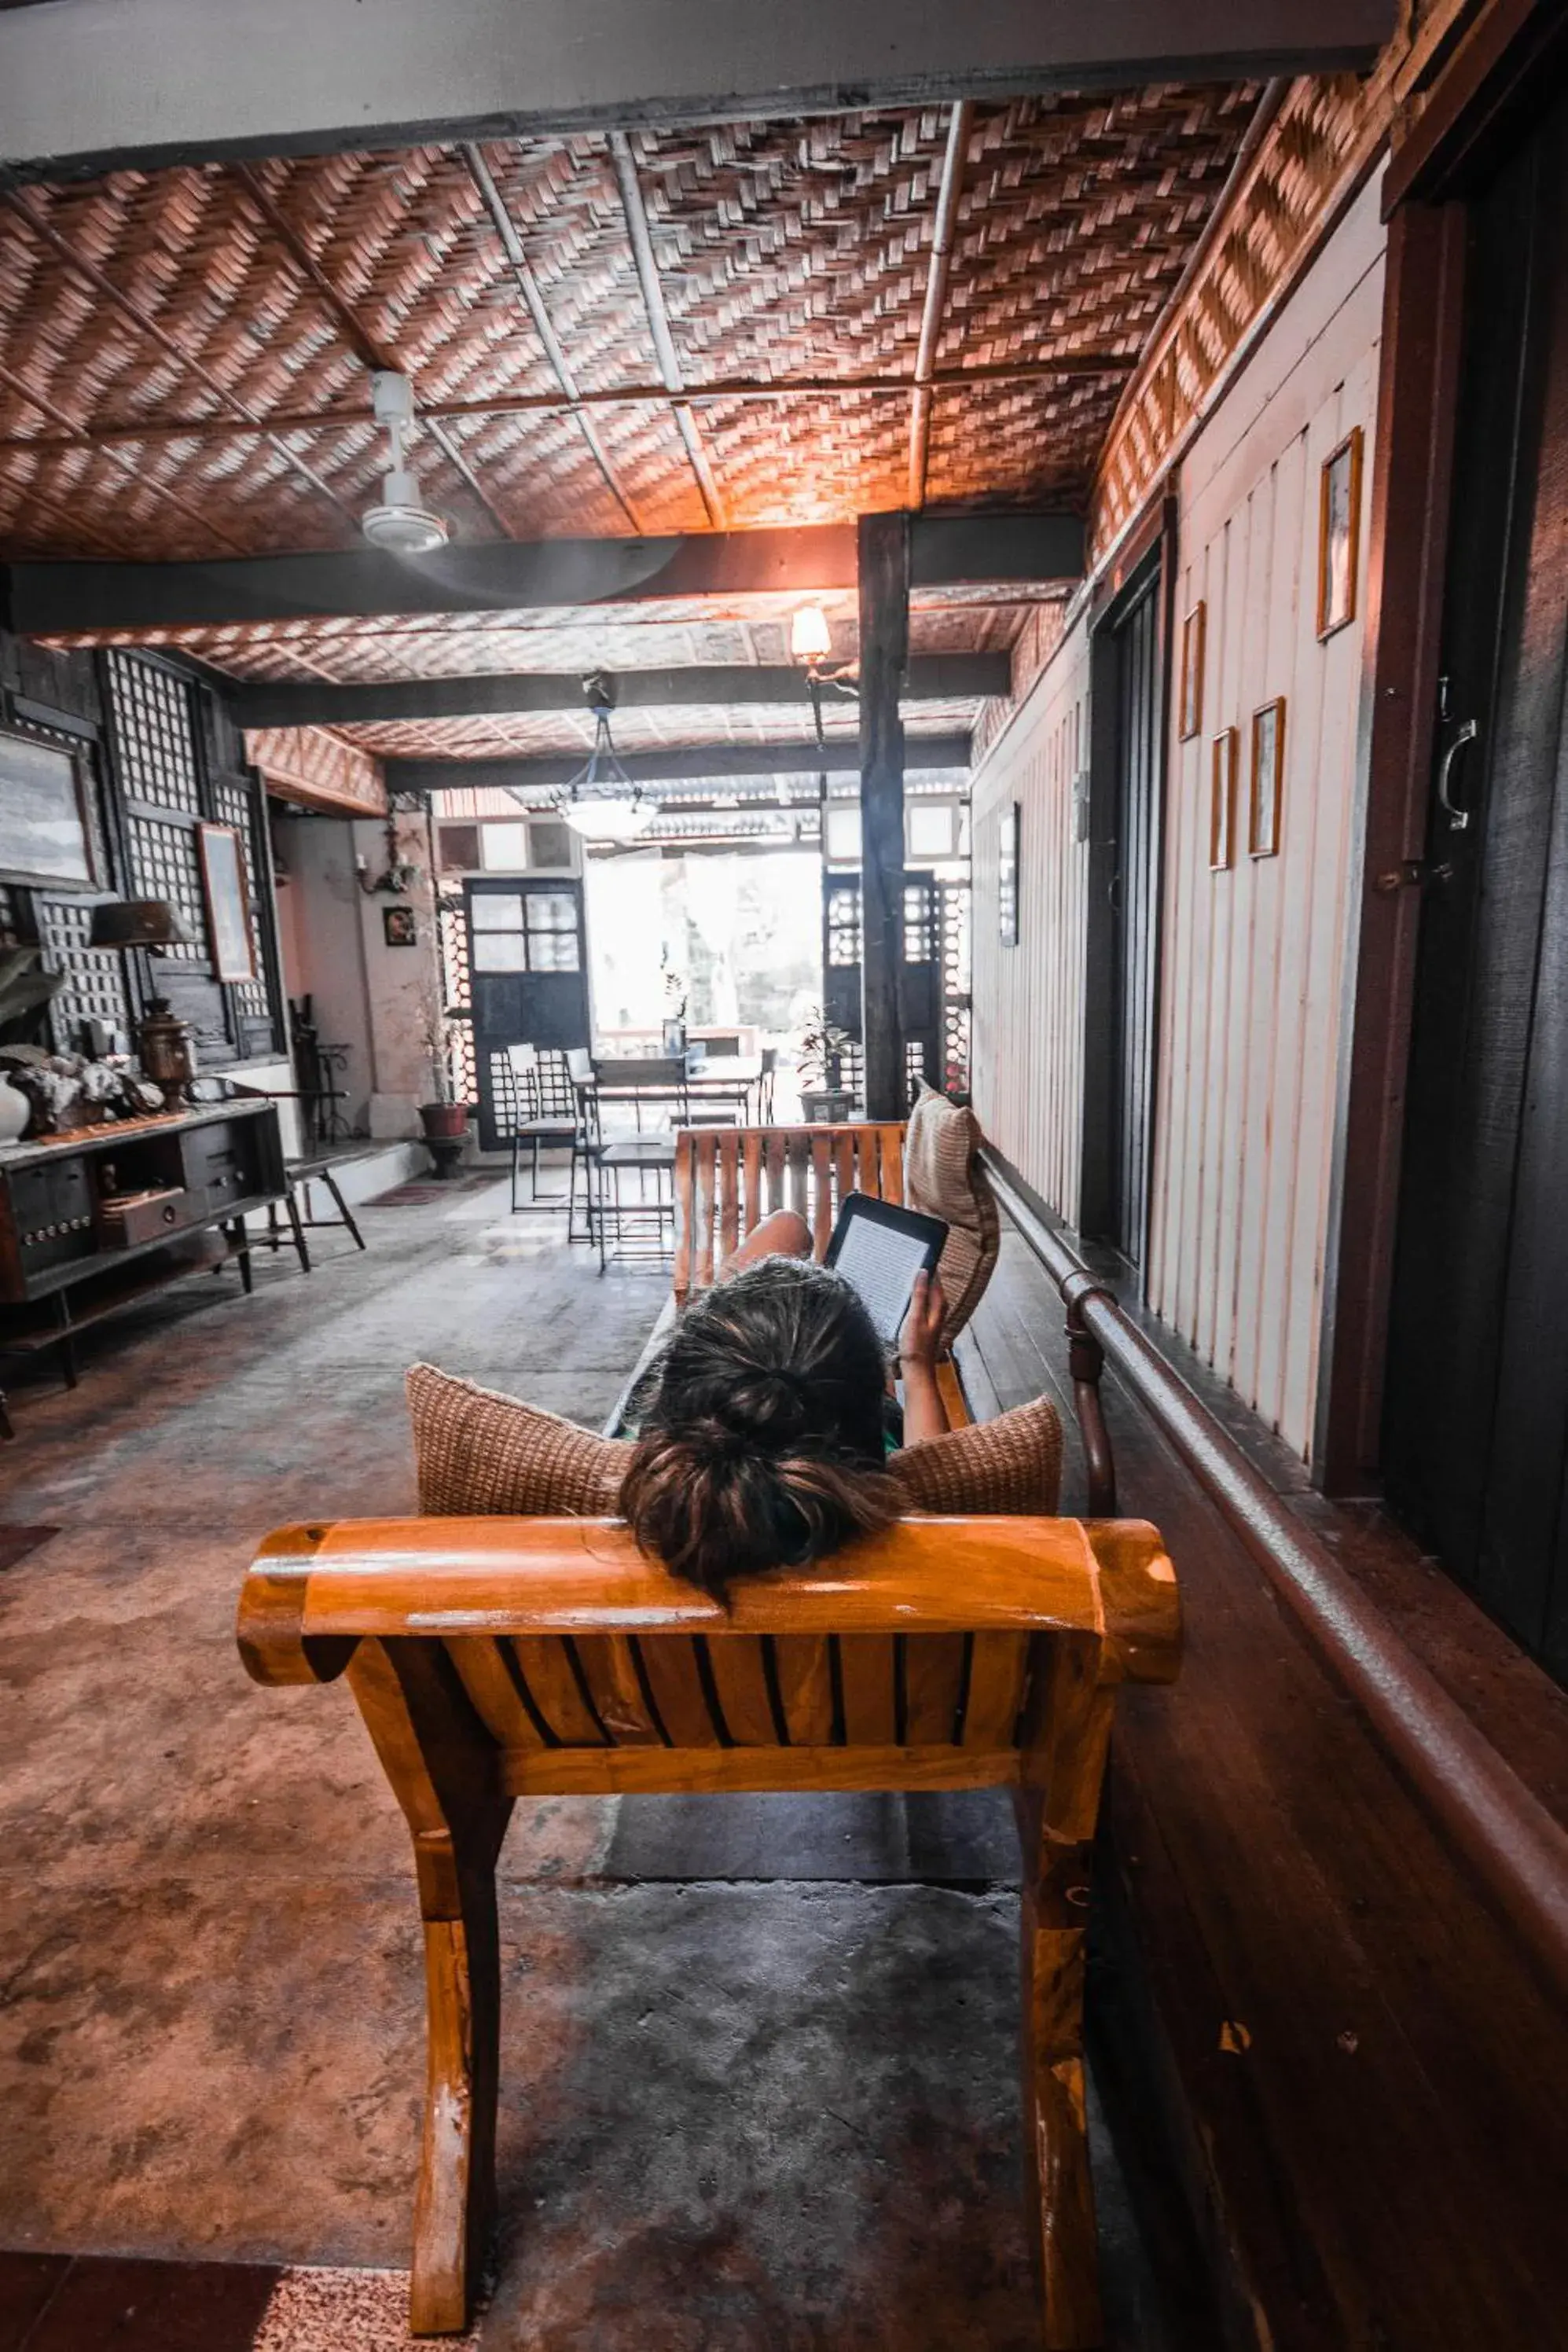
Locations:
762 1446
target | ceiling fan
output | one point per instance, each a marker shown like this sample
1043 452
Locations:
398 522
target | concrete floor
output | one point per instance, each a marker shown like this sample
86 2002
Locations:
758 2068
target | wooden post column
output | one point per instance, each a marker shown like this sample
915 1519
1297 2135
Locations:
884 650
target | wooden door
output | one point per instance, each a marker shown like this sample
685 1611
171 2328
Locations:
920 1001
1476 1419
527 968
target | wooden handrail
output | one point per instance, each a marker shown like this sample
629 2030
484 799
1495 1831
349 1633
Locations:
1513 1846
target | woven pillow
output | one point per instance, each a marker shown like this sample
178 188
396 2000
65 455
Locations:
1011 1466
944 1178
480 1454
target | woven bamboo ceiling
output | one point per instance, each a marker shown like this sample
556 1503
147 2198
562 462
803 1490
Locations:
660 332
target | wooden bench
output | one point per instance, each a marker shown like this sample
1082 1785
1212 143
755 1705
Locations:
729 1178
492 1659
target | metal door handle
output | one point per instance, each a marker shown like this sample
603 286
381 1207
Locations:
1458 818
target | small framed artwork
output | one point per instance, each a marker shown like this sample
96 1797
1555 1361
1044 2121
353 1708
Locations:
1190 707
399 927
1223 759
1266 797
45 825
1339 534
228 902
1007 878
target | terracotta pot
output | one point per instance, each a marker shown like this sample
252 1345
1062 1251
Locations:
447 1120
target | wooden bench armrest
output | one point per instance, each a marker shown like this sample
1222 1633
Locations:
312 1594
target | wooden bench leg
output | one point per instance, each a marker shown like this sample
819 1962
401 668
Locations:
1064 1746
296 1227
415 1712
1059 2194
342 1207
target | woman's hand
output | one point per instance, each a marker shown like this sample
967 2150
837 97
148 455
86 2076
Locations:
922 1334
924 1412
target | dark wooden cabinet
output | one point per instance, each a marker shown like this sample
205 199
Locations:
92 1220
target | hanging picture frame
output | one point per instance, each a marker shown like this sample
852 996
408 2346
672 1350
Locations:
1189 705
1223 759
1339 534
1265 798
45 818
227 896
400 927
1008 877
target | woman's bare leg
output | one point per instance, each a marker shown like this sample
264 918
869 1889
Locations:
783 1235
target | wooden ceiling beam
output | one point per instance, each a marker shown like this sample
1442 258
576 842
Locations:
923 755
929 678
131 600
189 80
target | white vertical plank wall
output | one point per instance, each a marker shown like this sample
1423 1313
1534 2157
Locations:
1027 1053
1256 959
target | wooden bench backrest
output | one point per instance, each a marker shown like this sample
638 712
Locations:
729 1178
496 1658
906 1662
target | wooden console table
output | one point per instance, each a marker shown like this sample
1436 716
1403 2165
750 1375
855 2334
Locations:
92 1220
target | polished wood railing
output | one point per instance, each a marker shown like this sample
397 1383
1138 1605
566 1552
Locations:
1512 1844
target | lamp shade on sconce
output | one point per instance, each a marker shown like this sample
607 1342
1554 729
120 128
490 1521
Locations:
137 923
809 637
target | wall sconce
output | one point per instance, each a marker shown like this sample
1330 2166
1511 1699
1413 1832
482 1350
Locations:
401 875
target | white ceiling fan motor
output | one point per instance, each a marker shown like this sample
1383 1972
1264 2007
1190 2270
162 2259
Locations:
398 522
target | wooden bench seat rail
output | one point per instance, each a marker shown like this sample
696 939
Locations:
499 1658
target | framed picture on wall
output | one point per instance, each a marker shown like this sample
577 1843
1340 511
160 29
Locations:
228 901
1223 759
46 823
1190 704
1266 796
1007 878
399 929
1339 534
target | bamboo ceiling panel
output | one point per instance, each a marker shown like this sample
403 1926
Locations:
677 634
224 318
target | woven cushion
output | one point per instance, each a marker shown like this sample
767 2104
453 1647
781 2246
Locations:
1010 1465
944 1178
480 1454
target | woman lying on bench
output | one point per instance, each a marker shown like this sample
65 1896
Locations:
765 1440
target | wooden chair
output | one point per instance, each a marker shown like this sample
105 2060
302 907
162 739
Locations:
492 1659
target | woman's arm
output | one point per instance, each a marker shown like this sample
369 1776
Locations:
925 1415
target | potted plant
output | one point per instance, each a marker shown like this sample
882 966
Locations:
444 1118
821 1047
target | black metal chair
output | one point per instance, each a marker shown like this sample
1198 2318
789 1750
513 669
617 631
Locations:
542 1125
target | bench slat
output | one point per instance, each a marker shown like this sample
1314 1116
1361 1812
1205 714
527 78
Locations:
803 1663
740 1671
729 1192
866 1676
933 1687
610 1671
999 1664
675 1680
485 1672
556 1693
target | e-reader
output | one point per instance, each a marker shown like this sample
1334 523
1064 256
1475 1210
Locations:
879 1249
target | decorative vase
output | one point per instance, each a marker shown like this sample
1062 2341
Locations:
16 1110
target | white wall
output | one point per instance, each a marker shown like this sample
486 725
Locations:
1255 961
1026 1054
366 995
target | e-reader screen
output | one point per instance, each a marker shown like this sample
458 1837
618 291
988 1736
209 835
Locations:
880 1249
